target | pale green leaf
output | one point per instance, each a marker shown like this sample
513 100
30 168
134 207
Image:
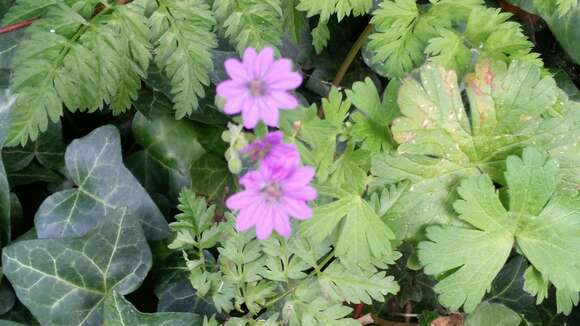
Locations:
373 116
66 281
353 284
182 32
535 284
120 312
362 236
95 165
493 314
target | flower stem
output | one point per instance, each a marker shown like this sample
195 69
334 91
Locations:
16 26
351 55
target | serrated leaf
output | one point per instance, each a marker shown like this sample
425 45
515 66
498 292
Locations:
543 224
102 58
362 236
103 183
493 314
183 38
65 281
355 285
250 23
119 311
448 50
372 120
440 142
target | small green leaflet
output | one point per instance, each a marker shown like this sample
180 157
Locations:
362 236
66 281
95 164
544 223
182 32
372 120
493 314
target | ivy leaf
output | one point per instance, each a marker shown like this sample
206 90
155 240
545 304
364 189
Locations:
373 118
183 38
78 273
5 220
47 150
362 236
545 232
440 142
353 284
212 178
170 145
493 314
119 311
103 183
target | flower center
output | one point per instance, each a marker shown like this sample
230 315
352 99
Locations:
272 191
257 87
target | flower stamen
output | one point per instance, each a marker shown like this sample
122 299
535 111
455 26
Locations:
272 191
257 87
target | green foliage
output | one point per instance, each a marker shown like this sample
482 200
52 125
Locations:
440 142
493 314
95 164
324 9
182 33
65 53
541 221
73 277
406 33
250 23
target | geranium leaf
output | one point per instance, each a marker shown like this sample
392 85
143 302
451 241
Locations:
440 141
546 232
493 314
66 281
103 184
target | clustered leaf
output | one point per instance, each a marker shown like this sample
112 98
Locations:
542 222
250 23
406 33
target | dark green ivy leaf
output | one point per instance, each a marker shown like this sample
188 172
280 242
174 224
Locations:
119 311
103 183
66 281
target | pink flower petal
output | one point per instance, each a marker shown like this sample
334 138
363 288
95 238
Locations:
268 114
242 199
283 100
296 208
236 70
281 77
235 104
231 88
304 193
264 226
250 115
263 62
300 178
252 180
248 217
249 58
281 223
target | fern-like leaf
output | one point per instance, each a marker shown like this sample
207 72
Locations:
255 23
81 62
183 38
326 8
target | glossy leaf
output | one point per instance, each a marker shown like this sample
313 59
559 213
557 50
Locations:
103 184
66 281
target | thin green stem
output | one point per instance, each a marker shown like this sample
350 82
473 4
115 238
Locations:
351 55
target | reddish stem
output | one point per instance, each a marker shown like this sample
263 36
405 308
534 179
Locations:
16 26
358 309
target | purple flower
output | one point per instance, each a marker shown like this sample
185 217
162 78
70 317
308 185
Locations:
273 151
270 198
259 87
